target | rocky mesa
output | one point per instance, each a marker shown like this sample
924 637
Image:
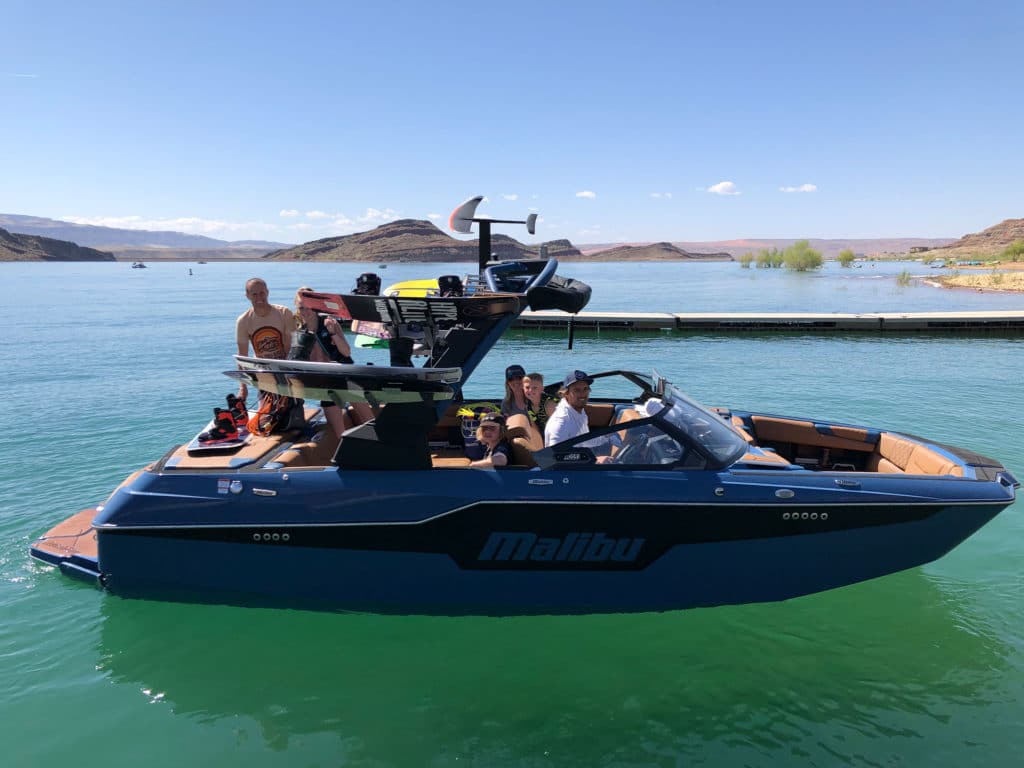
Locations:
987 243
414 240
655 252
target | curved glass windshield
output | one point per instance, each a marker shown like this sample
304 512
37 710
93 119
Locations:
704 428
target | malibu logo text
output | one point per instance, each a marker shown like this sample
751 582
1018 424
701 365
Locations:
582 547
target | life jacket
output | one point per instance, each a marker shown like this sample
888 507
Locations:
540 416
323 338
276 413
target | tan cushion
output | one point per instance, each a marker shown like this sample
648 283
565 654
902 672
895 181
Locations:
767 457
455 461
739 425
524 441
775 430
925 461
884 465
897 454
895 449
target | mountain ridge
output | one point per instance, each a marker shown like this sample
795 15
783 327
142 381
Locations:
421 240
829 247
415 240
663 251
18 247
989 242
115 238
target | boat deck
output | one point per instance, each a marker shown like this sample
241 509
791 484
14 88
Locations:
74 536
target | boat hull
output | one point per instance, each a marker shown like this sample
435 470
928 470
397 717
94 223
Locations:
400 551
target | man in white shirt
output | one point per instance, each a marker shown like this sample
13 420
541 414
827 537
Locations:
570 417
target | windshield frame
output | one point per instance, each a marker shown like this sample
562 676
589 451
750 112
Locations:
700 427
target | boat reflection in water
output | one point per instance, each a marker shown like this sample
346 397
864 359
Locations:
872 672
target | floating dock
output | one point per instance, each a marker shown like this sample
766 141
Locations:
1000 322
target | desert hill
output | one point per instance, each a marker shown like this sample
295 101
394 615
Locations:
987 243
413 240
656 252
17 247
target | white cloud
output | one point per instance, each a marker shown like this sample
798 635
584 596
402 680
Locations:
188 224
666 195
315 224
801 188
511 197
434 216
723 188
587 194
376 216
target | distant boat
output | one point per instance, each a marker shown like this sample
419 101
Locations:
201 262
138 265
382 266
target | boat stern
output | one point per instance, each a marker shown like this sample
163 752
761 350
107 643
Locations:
71 546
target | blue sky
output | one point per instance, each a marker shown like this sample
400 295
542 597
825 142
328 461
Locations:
616 121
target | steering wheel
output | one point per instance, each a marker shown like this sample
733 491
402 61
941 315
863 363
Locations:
660 448
632 452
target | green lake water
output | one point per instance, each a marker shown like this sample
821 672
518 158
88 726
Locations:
107 367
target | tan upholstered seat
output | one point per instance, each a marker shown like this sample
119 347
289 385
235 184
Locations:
524 441
771 429
898 454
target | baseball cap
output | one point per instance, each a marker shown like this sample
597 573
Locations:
514 372
493 418
575 376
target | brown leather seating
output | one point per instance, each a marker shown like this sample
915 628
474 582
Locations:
524 441
897 454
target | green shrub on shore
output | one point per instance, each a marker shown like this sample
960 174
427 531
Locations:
1014 251
745 260
845 258
800 257
769 259
904 278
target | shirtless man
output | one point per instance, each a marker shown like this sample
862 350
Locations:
268 327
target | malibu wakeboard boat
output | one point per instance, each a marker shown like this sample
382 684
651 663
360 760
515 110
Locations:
683 506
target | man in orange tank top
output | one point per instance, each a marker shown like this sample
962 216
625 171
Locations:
267 327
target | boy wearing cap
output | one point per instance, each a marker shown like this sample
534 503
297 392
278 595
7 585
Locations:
491 435
570 417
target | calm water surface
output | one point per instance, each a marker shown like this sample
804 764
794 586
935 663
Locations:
107 367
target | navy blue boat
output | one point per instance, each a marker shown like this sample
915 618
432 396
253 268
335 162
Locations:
691 506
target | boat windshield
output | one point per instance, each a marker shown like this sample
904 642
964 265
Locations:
704 427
